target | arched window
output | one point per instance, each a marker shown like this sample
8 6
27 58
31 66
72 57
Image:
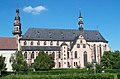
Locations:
105 47
31 43
85 58
78 45
100 50
25 55
17 29
74 64
94 48
53 54
38 43
68 64
51 43
32 55
81 41
25 43
75 54
68 55
59 64
44 42
59 55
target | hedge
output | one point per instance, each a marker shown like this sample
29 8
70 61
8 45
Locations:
112 70
63 76
62 71
56 72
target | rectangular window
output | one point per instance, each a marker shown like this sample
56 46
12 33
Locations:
74 63
51 43
44 42
57 43
84 46
75 54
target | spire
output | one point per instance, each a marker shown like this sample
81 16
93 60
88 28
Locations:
80 22
17 13
80 15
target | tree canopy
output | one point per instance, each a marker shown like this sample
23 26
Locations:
43 61
18 62
2 63
111 60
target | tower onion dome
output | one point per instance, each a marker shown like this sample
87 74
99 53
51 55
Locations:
17 15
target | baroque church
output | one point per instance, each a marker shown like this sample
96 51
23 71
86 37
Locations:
71 47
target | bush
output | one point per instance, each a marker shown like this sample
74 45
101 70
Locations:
118 75
68 76
56 72
112 70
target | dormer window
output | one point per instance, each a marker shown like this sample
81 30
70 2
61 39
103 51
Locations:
61 33
38 32
49 33
96 34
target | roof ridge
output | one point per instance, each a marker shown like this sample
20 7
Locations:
53 28
60 29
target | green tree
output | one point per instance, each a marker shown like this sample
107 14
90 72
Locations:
2 63
43 61
111 60
106 60
115 59
18 62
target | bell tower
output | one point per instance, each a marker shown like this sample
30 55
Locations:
80 22
17 25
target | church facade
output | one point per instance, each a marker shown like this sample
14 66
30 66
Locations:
71 47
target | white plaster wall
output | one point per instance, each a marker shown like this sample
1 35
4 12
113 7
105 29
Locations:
81 50
7 54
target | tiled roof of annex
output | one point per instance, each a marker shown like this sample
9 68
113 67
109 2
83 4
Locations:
8 43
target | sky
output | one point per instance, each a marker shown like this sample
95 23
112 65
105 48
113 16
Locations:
102 15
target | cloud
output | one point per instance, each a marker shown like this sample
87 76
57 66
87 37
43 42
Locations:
34 10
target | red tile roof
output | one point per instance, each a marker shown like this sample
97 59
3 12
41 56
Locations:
8 43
